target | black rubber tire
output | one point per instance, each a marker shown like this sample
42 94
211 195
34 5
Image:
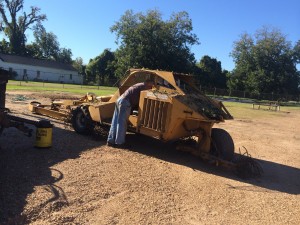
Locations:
222 144
81 120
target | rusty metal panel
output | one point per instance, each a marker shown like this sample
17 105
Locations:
156 111
159 115
150 116
146 112
164 116
154 114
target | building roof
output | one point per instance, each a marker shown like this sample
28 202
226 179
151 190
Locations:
35 62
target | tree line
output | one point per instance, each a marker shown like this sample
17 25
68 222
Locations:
14 24
264 62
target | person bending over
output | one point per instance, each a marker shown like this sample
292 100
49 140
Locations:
128 100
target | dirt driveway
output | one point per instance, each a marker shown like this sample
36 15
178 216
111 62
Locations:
81 181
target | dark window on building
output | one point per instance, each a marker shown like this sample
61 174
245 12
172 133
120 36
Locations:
71 76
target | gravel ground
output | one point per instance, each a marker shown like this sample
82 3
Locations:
82 181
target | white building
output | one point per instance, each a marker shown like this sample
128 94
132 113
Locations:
26 68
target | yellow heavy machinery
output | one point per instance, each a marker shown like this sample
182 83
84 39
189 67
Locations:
61 109
175 110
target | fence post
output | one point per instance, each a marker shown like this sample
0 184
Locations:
215 92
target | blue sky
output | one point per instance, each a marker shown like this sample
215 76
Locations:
83 26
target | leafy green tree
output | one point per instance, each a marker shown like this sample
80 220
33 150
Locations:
15 26
64 56
80 67
45 46
211 73
78 64
100 69
297 52
265 63
146 40
4 46
243 58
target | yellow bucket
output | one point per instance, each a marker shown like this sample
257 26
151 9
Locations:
43 137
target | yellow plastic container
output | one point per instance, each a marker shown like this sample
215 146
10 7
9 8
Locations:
43 134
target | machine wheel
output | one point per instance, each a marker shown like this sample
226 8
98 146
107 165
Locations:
81 120
222 144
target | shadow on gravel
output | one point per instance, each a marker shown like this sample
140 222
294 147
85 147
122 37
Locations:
276 177
23 167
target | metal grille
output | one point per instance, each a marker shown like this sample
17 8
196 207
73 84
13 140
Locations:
154 114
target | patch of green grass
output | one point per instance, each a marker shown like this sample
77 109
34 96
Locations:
245 111
55 87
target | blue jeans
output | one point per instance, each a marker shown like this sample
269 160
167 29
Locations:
118 126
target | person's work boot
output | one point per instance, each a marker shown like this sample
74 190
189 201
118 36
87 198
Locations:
110 144
123 146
